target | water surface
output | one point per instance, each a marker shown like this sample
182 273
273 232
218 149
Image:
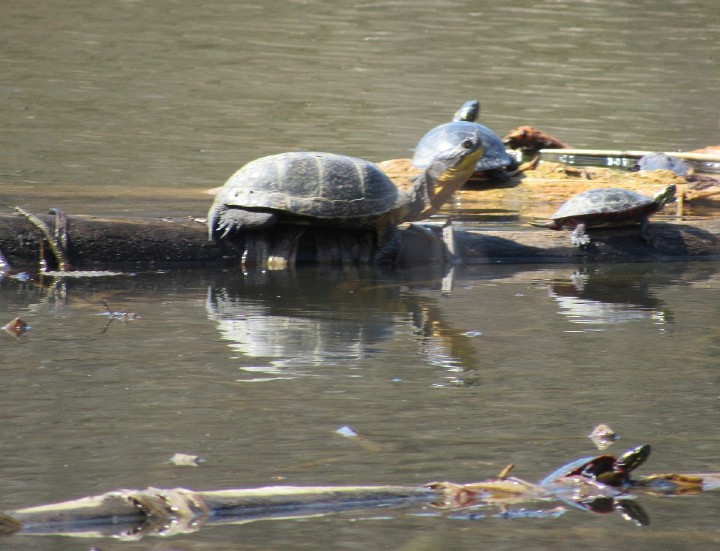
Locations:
255 374
136 107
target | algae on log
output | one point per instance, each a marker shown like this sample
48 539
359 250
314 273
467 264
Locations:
96 241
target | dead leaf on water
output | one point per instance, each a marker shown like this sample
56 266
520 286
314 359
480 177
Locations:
16 327
349 432
346 431
186 460
603 436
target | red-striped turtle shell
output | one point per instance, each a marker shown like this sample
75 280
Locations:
605 206
608 469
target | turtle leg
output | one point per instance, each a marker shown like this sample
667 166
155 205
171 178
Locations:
232 220
388 245
285 248
644 231
429 248
257 250
327 248
499 175
579 237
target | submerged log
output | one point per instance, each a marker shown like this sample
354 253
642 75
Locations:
96 242
133 514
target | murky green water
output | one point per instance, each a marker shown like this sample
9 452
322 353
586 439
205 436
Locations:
255 374
118 103
137 107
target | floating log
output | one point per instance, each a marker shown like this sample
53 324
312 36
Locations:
133 514
99 242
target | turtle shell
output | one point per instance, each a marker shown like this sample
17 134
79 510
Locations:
450 135
662 161
608 469
320 185
604 205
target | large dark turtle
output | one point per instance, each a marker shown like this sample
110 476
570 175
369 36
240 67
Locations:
607 207
337 190
495 159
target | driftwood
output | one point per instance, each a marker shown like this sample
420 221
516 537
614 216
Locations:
133 514
593 484
95 242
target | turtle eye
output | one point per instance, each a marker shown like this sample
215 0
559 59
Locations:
467 143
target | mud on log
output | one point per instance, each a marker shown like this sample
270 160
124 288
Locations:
99 242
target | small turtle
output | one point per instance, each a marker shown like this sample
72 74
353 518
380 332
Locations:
607 469
599 483
607 207
327 189
495 159
662 161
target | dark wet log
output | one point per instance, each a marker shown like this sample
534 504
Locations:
104 242
668 241
99 241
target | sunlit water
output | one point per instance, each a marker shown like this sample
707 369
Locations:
135 107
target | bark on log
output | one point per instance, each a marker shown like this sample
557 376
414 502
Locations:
96 242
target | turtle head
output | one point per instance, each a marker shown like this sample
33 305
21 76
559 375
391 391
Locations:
469 111
624 465
449 170
633 458
665 196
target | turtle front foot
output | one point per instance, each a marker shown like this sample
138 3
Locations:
579 238
644 233
231 221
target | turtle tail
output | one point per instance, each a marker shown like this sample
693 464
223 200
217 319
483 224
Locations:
547 224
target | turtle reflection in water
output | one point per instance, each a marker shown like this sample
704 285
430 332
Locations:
283 326
610 473
325 189
495 160
606 297
607 207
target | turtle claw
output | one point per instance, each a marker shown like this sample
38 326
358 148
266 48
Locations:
579 238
